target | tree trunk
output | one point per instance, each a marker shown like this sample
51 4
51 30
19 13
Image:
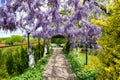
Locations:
68 45
30 54
45 48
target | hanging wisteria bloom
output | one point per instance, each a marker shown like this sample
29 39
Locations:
72 21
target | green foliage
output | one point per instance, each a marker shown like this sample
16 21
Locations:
24 57
34 73
110 41
8 42
4 53
3 71
0 39
38 51
58 39
14 60
64 12
17 61
3 39
1 57
31 39
13 39
78 25
82 71
41 50
16 38
66 48
48 49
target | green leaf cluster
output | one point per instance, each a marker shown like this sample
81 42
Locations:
14 60
13 39
110 41
17 61
34 73
82 71
58 39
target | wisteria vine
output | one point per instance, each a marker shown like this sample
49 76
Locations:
31 15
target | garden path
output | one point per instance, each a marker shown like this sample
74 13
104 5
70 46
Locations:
58 67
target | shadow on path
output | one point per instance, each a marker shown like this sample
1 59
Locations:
58 67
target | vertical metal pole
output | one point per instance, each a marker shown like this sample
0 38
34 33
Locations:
39 47
86 55
28 35
28 41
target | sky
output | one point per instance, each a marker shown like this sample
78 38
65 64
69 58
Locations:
8 33
4 34
17 32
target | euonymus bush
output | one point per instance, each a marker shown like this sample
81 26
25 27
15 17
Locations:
110 41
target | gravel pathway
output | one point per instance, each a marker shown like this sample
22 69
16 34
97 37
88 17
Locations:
58 67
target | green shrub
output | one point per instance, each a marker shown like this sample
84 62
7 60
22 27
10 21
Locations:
3 71
110 41
58 39
34 73
14 60
37 52
8 42
10 65
24 57
1 57
0 39
13 39
82 71
17 61
41 50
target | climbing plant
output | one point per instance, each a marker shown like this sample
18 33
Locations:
43 19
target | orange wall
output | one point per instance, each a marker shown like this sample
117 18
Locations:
2 44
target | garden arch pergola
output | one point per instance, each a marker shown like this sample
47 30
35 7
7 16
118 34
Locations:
29 15
58 39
